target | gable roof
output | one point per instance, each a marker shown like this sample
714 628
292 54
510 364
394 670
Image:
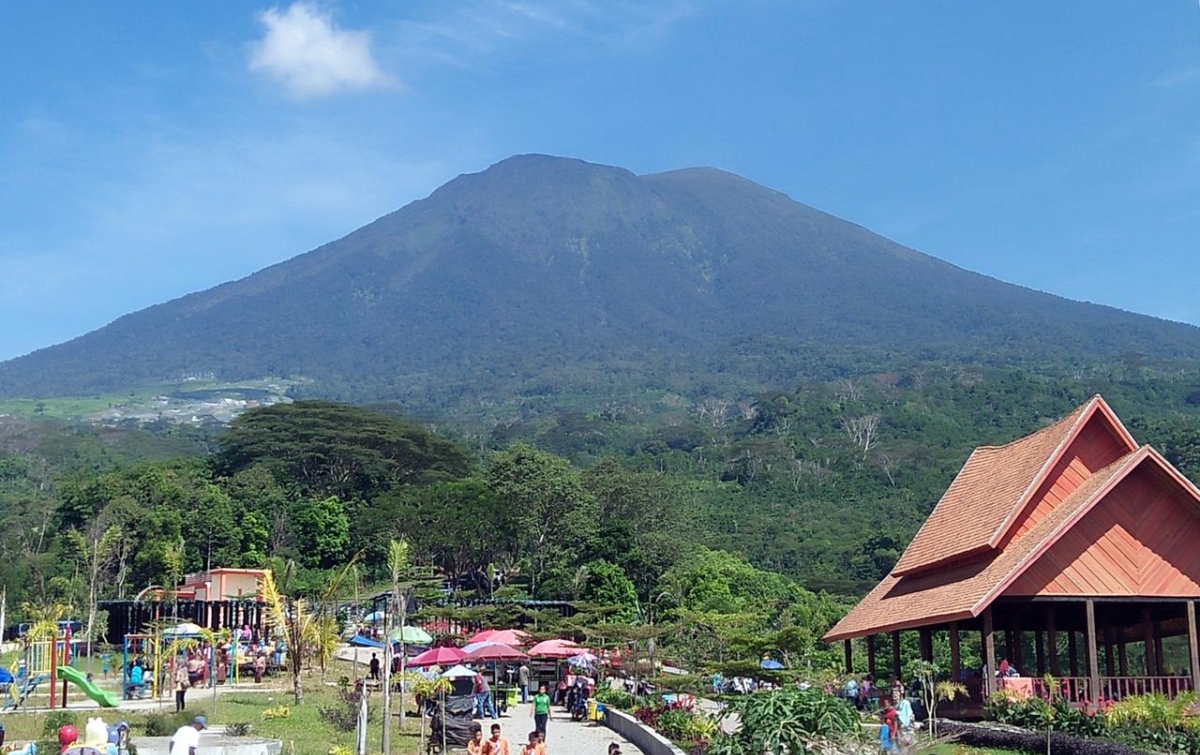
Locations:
993 487
964 590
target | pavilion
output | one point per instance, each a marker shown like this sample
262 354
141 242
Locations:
1075 530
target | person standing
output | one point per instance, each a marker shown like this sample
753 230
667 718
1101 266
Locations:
497 745
187 738
483 698
260 667
541 710
181 683
475 746
374 668
534 746
523 682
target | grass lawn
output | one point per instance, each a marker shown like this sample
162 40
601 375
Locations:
303 730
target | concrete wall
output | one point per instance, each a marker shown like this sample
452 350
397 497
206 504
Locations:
643 737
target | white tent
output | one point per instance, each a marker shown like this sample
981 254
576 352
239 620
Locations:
458 672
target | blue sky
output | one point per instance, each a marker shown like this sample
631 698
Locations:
152 149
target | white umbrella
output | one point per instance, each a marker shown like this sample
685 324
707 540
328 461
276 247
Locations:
458 672
186 629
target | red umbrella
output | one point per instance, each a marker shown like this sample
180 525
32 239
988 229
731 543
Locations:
511 637
438 657
555 649
493 651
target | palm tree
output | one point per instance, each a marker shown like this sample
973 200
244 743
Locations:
299 622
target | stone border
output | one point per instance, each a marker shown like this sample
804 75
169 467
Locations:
643 737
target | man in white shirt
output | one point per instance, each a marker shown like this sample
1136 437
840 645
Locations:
187 738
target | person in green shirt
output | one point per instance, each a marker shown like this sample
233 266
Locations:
541 710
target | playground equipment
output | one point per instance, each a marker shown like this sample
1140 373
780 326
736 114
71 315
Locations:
146 651
38 663
105 698
154 654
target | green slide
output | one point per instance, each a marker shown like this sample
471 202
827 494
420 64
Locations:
105 698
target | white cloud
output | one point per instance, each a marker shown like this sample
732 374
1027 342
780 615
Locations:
311 56
1178 78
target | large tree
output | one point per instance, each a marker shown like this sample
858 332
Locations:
553 514
327 448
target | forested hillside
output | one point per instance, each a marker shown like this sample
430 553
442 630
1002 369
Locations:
824 484
549 276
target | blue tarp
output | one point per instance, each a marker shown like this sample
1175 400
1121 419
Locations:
364 642
771 664
5 676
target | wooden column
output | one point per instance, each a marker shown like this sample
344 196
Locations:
1122 657
1072 653
1110 668
1093 656
1039 650
871 658
1016 655
956 654
989 654
1160 667
1193 645
1052 640
896 654
1148 641
926 635
848 650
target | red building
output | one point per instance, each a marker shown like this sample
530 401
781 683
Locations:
1074 530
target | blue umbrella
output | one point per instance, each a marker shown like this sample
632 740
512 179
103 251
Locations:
771 664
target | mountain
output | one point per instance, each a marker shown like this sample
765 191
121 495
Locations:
544 274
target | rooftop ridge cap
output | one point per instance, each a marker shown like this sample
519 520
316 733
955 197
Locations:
1107 477
1073 421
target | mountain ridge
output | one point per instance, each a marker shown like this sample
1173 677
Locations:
502 279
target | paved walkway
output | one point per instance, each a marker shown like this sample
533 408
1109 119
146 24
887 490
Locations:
563 736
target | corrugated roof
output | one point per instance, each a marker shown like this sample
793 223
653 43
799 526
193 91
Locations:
964 591
992 485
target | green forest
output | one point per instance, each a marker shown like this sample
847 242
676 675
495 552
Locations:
772 511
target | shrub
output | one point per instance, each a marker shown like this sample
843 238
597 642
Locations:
165 724
281 711
614 698
240 729
788 720
58 719
343 714
986 737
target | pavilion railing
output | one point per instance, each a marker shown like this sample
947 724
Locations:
1075 689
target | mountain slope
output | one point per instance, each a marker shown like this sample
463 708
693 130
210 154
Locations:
545 273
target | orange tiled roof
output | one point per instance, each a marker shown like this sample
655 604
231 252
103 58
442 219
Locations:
993 484
965 590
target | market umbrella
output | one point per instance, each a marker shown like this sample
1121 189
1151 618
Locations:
458 672
438 657
582 660
186 629
411 635
771 664
555 649
492 651
511 637
374 617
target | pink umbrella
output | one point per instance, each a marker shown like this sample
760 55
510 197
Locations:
438 657
511 637
492 651
555 649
